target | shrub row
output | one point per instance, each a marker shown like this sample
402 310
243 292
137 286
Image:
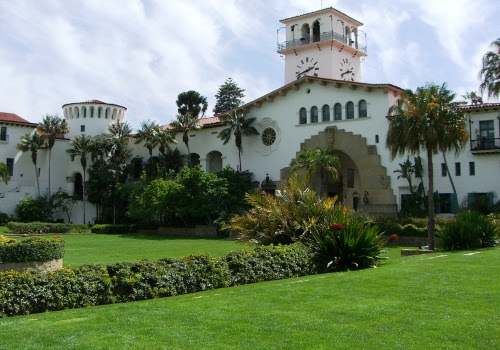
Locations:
29 292
31 249
108 228
31 228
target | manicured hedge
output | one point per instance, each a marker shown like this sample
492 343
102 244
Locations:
31 228
29 292
31 249
108 229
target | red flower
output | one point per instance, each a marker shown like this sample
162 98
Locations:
393 237
336 227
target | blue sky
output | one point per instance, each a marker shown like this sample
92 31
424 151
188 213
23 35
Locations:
143 53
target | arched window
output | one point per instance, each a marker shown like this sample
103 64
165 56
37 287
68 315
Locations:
78 187
113 116
316 31
304 34
314 114
362 109
214 162
337 110
91 111
326 113
70 113
376 138
349 110
77 112
303 116
99 112
107 113
84 111
195 159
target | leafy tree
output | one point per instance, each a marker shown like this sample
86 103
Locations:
320 161
63 202
52 127
228 97
426 119
164 137
204 194
32 142
99 187
190 104
4 173
81 146
239 183
415 206
172 160
237 124
490 71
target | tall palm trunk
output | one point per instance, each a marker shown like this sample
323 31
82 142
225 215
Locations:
50 157
37 179
83 185
431 221
451 180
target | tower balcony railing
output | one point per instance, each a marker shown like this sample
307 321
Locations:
485 145
325 36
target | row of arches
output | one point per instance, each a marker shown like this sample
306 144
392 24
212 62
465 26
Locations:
349 34
337 111
92 112
213 161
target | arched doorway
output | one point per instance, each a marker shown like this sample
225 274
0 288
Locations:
362 174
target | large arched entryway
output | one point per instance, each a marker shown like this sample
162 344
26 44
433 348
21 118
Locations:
364 184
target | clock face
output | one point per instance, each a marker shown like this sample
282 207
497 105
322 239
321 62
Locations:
307 66
346 70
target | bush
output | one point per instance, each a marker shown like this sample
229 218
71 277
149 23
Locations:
108 229
31 228
468 230
33 209
4 219
31 249
30 292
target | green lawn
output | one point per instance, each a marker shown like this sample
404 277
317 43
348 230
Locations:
435 301
108 249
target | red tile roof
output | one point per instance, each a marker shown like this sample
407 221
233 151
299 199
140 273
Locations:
482 106
12 118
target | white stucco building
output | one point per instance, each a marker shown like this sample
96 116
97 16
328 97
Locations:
323 102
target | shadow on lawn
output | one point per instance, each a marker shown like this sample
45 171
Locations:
162 237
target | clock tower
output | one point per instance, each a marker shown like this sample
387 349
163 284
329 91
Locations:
324 43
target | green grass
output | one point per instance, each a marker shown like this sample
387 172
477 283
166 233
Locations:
435 301
109 249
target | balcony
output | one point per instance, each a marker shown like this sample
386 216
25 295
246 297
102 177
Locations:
485 146
325 36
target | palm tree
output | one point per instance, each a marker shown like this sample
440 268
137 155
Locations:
190 104
490 71
81 146
119 153
32 142
164 137
426 119
470 96
52 127
147 134
239 125
314 161
4 173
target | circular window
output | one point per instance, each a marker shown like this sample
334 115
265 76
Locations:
268 136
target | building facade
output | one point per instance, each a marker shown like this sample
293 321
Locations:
323 103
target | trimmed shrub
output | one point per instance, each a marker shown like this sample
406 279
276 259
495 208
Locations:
30 292
4 219
267 263
31 249
33 209
110 229
468 230
32 228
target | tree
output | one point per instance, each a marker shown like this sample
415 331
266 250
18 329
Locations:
52 127
81 146
4 173
239 125
490 71
63 202
314 161
471 96
32 142
148 135
228 97
426 119
190 104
